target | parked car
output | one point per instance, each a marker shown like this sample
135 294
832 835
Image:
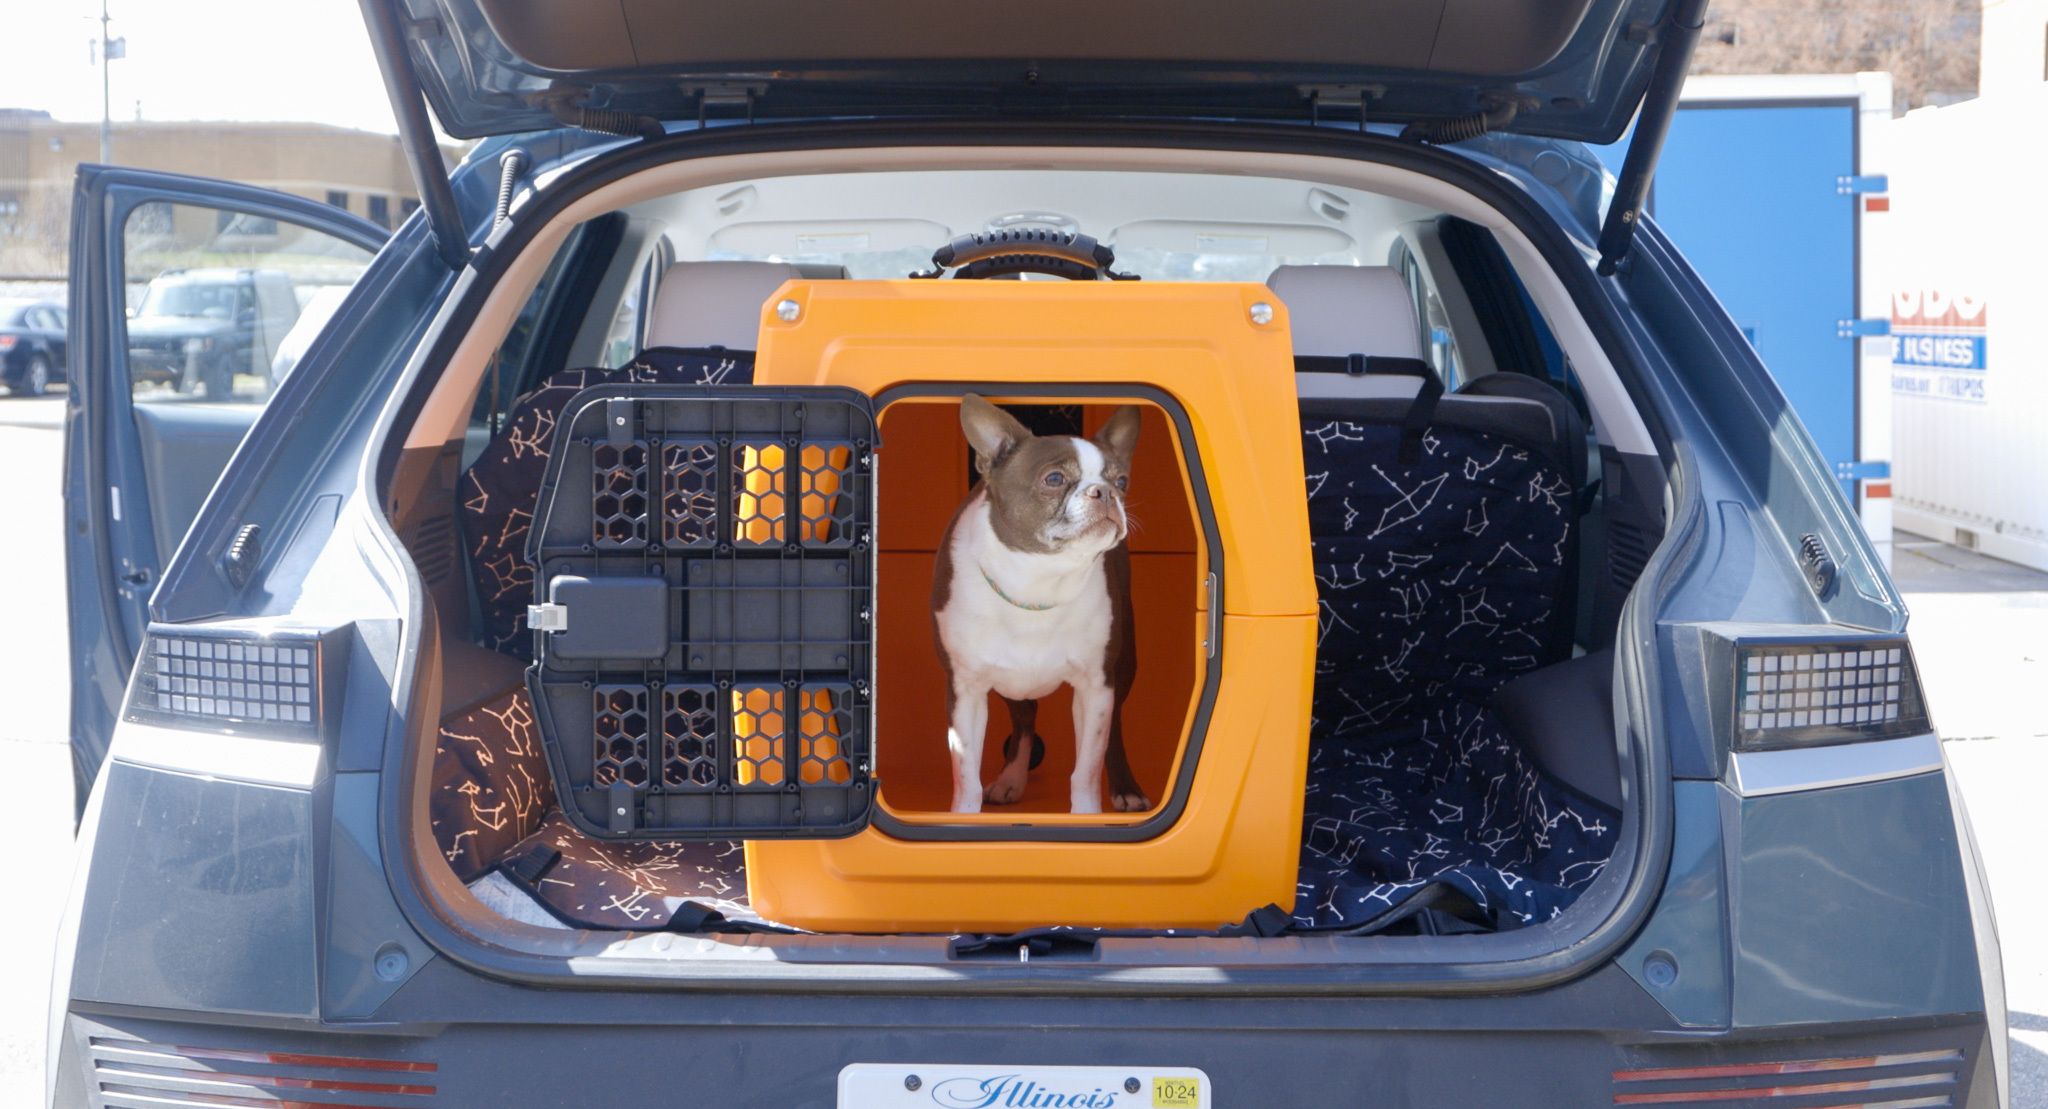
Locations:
31 346
197 328
512 727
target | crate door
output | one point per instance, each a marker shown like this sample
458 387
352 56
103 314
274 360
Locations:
704 559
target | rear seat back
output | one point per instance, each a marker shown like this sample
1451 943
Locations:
1566 424
714 304
702 330
1440 567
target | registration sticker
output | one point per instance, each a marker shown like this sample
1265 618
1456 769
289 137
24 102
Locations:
951 1086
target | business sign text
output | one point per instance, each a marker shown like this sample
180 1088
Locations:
1938 338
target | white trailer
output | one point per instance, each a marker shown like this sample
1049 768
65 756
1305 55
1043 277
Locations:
1969 319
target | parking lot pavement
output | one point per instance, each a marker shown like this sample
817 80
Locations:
1980 637
34 412
1977 635
33 756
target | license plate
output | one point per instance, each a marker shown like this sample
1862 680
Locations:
927 1086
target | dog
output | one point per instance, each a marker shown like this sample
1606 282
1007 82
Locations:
1031 590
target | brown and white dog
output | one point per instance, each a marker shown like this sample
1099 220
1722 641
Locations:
1032 590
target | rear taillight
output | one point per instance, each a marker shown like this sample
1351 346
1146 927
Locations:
252 677
1801 693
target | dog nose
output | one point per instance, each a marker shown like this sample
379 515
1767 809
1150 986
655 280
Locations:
1095 492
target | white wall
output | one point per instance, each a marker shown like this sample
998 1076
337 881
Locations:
2015 42
1968 243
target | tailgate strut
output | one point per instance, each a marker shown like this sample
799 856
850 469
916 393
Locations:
1679 33
416 132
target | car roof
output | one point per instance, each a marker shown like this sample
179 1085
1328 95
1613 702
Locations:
202 273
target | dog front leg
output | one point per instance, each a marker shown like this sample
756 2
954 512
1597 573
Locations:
1020 753
964 739
1092 706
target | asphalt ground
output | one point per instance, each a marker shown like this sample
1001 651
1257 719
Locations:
1979 630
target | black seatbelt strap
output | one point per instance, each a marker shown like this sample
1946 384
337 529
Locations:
532 864
1427 394
1421 904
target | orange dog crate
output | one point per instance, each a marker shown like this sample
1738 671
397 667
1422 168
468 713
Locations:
1217 723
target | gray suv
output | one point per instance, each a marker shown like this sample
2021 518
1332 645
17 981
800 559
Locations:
540 704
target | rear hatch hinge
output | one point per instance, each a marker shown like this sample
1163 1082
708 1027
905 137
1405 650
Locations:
1340 101
725 96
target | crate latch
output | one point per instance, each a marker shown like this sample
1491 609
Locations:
619 806
1215 631
618 422
547 617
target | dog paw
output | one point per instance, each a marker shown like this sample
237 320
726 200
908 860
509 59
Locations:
1006 790
1129 802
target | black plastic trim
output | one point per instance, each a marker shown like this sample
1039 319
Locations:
570 299
1212 675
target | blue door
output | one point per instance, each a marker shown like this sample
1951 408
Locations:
172 350
1748 191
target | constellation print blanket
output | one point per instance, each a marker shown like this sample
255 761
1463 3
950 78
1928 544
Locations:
502 486
1439 580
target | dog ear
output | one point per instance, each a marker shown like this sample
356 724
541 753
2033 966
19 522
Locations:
1119 437
991 431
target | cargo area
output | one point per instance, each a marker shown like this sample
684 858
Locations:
1449 763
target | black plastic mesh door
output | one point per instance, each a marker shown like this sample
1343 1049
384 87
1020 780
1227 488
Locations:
704 556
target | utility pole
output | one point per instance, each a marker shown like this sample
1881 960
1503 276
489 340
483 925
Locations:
106 91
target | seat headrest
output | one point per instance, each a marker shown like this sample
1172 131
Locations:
714 304
1342 310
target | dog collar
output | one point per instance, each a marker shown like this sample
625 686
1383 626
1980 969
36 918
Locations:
1005 596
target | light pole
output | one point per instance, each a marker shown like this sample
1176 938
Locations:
109 50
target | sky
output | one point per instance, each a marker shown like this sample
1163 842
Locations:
198 59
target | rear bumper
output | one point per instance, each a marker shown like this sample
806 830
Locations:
1254 1053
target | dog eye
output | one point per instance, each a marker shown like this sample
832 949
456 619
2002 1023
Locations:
1122 484
1055 479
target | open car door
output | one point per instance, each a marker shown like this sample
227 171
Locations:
184 293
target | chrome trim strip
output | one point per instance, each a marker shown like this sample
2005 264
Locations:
274 762
1761 773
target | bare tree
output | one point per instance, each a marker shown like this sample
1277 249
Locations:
1928 46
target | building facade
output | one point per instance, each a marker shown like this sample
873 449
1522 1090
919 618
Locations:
360 171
